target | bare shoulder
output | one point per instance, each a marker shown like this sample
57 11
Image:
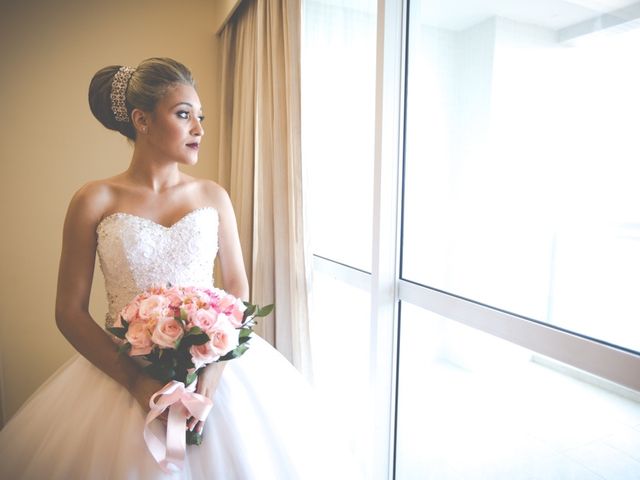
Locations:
213 194
92 200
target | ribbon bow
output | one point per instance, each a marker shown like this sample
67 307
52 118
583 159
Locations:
182 403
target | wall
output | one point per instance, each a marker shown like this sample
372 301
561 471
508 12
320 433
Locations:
223 11
50 145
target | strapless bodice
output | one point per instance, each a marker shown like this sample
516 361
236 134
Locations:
136 253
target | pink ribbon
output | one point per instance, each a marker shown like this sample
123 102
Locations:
182 403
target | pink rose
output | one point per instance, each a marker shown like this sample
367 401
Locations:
138 336
226 302
167 332
224 337
203 318
203 354
236 315
153 307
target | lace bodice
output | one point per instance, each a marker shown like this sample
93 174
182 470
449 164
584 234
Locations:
136 253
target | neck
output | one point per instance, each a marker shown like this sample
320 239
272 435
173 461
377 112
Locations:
152 173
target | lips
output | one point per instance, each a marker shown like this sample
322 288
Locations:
193 146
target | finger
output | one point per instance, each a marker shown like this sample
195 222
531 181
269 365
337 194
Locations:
200 427
192 423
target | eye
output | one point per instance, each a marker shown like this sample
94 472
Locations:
183 114
201 118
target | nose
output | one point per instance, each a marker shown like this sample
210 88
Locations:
197 129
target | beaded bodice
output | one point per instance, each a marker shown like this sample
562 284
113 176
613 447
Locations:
136 253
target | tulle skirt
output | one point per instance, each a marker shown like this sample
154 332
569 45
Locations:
81 424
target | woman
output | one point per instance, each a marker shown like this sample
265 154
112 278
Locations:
154 224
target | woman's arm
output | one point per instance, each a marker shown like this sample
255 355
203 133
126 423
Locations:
234 281
75 276
234 275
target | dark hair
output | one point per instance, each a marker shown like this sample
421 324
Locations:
148 84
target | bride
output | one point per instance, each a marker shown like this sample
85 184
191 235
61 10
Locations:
153 224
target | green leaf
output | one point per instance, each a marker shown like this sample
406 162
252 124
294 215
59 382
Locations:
264 311
154 356
124 348
194 331
194 438
250 310
200 339
119 332
245 332
163 373
235 353
191 377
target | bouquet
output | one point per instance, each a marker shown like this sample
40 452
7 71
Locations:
178 331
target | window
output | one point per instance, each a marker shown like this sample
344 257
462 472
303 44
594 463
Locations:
471 174
521 163
338 136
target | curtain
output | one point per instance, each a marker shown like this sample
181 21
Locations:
237 121
260 164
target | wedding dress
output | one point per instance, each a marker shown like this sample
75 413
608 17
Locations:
81 424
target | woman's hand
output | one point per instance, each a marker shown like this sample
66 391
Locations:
208 381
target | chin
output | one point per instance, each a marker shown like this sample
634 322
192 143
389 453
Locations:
189 161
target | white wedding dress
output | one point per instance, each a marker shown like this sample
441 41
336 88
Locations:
81 424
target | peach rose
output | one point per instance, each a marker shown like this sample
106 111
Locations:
189 309
174 297
138 336
130 312
167 332
153 307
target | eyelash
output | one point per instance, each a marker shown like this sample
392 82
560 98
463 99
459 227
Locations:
187 114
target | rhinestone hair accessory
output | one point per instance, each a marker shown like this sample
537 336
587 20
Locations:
118 91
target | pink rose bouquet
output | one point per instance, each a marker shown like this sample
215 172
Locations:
180 330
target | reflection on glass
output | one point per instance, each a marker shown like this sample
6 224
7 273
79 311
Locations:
522 161
474 407
338 112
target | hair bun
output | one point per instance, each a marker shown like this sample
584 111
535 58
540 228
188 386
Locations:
100 101
140 88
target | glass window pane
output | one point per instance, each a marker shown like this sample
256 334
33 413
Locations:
340 341
521 161
338 111
472 407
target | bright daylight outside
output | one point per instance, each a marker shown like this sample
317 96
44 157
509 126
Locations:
520 193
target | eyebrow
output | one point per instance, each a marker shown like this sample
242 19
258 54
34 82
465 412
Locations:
184 103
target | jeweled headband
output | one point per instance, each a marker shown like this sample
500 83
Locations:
118 91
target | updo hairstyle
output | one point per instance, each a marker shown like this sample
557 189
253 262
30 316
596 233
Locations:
147 85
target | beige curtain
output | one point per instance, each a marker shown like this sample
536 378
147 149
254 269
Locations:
260 164
236 150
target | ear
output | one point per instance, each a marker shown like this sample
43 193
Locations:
140 120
